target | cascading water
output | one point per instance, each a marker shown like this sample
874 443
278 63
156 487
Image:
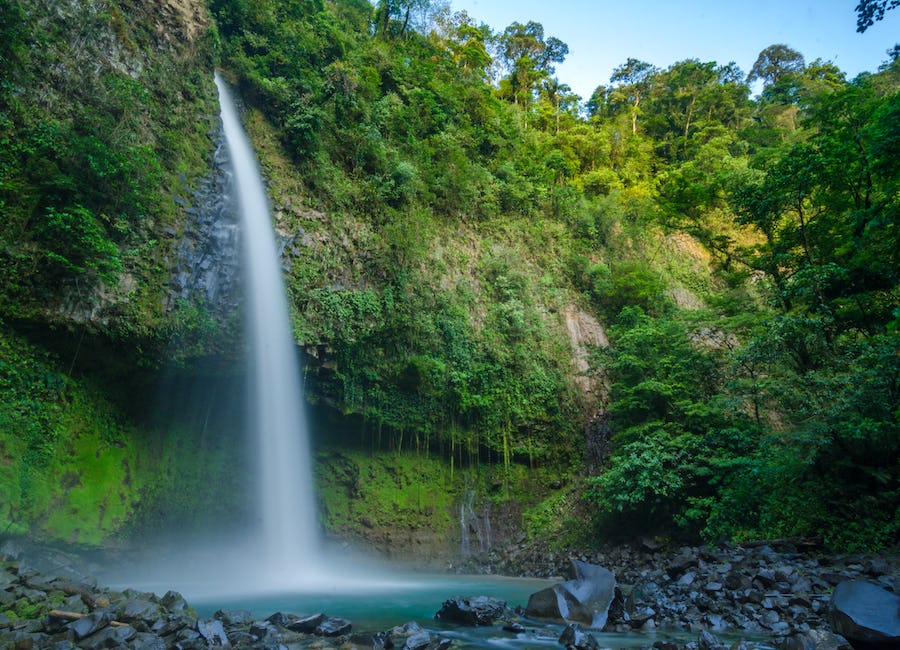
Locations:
289 533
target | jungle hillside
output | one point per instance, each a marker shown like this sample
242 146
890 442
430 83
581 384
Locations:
671 308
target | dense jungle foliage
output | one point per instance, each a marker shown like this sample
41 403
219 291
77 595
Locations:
445 202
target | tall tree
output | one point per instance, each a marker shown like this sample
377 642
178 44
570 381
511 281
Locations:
774 63
633 78
529 57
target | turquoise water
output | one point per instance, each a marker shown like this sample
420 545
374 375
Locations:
418 597
375 606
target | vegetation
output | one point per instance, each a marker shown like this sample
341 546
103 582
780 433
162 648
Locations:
444 200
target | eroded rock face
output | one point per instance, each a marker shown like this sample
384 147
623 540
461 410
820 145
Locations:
585 599
866 615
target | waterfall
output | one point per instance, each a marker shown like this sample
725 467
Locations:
278 427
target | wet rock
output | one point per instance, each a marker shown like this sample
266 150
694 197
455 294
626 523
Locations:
417 641
282 619
91 623
212 631
866 615
472 610
263 630
232 617
574 637
585 599
708 641
148 641
174 602
109 637
333 626
376 641
304 624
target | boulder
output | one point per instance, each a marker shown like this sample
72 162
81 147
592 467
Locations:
472 610
866 615
585 599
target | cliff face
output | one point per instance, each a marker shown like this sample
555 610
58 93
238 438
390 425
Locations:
109 110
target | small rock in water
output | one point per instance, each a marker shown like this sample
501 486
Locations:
333 626
708 641
472 610
418 641
574 637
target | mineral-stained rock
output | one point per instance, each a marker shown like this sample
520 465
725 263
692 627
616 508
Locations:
585 599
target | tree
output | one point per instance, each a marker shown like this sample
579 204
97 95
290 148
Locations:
868 11
634 79
529 57
396 17
775 63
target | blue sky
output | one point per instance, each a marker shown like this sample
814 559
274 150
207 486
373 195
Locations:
602 34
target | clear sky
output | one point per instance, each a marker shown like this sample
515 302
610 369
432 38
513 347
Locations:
602 34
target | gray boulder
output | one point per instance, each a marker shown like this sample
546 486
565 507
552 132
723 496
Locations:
585 599
866 615
472 610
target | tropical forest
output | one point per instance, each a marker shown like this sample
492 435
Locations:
668 311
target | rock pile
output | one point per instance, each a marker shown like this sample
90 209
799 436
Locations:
70 611
756 590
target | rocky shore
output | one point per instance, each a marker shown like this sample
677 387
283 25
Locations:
688 597
777 590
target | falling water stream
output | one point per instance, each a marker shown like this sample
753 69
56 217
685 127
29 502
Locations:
289 541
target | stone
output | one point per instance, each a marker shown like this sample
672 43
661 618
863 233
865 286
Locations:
303 624
417 641
585 599
574 637
263 630
212 631
148 641
139 610
109 637
174 602
866 615
283 620
333 626
376 641
232 617
472 610
708 641
91 623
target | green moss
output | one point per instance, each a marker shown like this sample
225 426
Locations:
385 489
